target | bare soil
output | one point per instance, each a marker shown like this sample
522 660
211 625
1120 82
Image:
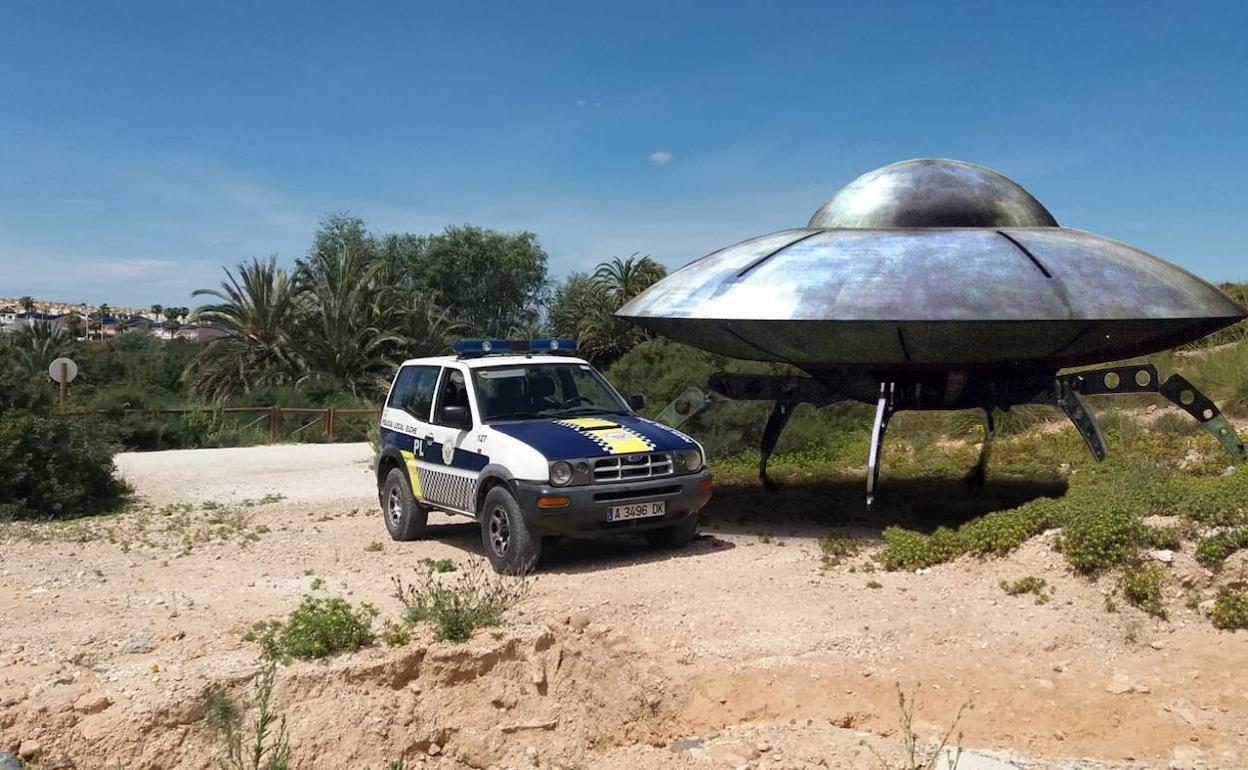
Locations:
743 650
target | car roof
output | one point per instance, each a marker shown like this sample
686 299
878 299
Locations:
477 362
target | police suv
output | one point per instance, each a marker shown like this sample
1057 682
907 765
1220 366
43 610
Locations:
533 443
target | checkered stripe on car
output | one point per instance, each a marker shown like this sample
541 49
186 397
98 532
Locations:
451 489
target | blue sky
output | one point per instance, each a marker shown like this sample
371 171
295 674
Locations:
145 145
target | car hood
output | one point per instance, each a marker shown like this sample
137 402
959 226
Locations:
615 434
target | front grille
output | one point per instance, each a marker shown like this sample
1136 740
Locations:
633 467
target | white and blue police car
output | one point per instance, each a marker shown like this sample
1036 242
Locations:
533 443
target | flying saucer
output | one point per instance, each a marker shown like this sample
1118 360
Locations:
937 284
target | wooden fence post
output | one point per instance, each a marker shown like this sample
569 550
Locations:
329 424
275 416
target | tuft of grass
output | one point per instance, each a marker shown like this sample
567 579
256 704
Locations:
1169 537
1230 609
374 547
474 599
1142 586
1029 585
837 548
318 584
317 628
438 565
395 634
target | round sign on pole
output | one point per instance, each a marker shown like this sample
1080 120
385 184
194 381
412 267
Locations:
63 370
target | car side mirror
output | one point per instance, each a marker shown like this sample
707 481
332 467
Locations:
637 402
456 417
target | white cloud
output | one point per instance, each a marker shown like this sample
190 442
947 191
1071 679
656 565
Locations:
581 102
661 157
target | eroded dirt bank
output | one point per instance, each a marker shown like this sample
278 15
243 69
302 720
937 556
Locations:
743 650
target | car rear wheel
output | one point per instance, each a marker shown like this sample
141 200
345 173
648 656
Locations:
675 536
406 519
509 544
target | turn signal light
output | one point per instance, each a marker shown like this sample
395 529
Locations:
705 484
552 502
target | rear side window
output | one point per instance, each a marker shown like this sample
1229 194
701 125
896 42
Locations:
413 390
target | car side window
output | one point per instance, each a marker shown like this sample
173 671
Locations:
413 390
452 393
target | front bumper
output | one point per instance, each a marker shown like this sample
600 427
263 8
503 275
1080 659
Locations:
585 515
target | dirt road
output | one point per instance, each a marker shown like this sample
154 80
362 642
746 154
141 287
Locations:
743 650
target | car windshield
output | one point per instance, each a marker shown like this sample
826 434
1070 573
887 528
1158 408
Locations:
528 391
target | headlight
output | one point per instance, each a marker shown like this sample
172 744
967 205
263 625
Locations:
560 473
689 459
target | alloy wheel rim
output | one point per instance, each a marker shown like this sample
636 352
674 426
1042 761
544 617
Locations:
394 508
500 532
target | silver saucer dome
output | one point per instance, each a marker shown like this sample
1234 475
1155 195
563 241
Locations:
930 264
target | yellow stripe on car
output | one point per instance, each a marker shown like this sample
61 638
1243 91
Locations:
412 475
611 436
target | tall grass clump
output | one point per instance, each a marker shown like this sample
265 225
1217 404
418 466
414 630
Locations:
457 606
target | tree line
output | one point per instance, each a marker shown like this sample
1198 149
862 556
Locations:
343 316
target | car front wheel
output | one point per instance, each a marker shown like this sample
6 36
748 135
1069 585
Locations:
406 519
509 544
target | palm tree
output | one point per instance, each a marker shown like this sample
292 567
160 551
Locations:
345 311
601 335
157 309
39 343
257 310
28 304
171 320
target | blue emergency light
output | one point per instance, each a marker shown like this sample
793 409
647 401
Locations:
470 348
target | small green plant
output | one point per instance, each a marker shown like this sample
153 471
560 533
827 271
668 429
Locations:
395 634
1211 551
1028 585
1169 538
374 547
837 548
474 599
874 584
1102 539
439 565
1142 586
269 747
1230 609
317 584
317 628
1111 603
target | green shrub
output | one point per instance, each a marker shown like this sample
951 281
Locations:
439 565
318 628
909 550
1211 551
1230 609
269 747
836 548
395 634
1098 540
1168 537
473 600
1028 585
55 467
1142 586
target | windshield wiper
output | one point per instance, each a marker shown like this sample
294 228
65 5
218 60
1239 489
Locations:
579 410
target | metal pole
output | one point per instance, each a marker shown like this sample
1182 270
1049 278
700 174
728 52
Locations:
64 381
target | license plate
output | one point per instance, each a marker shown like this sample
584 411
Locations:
636 511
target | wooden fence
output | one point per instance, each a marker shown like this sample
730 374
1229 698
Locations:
326 417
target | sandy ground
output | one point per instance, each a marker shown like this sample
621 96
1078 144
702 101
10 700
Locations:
743 650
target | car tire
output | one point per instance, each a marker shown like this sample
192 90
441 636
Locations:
675 536
505 536
406 519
